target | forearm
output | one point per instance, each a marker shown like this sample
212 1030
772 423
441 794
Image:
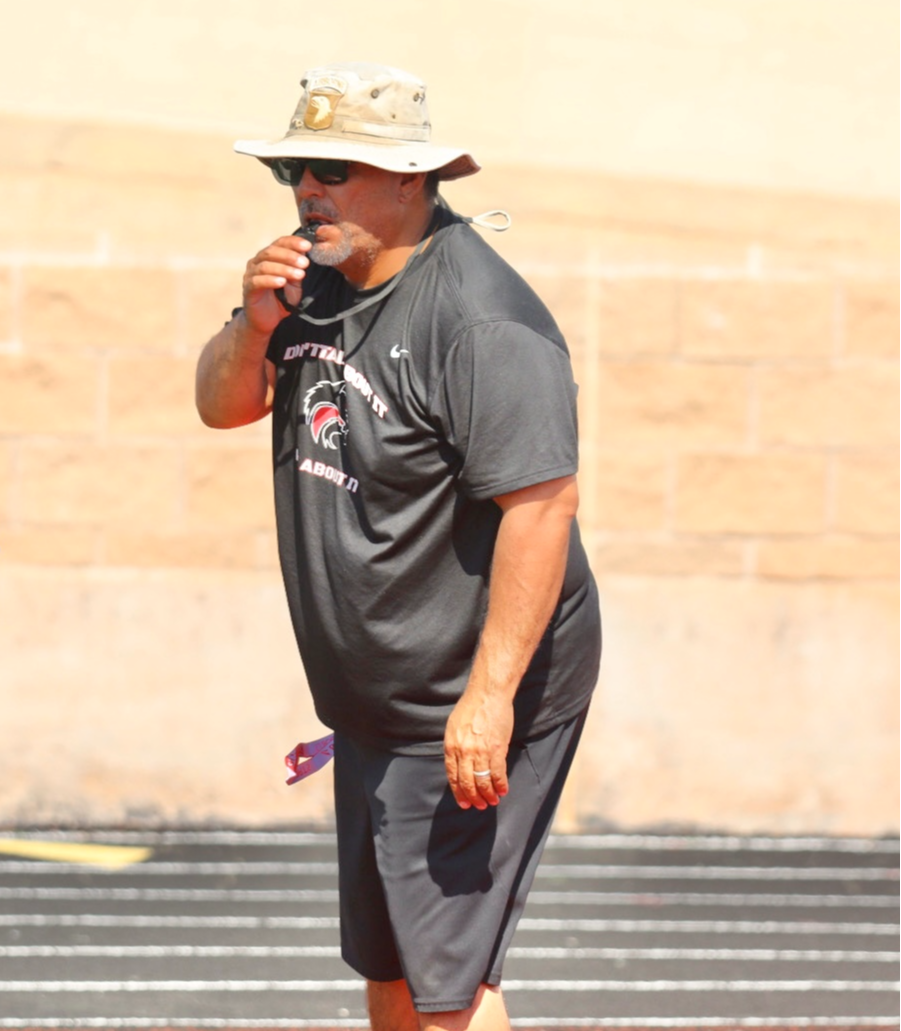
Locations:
233 385
527 574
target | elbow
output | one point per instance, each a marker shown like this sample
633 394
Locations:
231 415
208 413
563 508
210 418
568 499
217 420
565 497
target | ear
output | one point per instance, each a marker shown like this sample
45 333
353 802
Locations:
410 186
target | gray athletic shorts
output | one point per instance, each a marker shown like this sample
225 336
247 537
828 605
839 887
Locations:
431 892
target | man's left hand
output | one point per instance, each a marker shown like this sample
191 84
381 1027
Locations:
475 749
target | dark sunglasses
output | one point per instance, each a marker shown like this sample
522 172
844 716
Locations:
327 171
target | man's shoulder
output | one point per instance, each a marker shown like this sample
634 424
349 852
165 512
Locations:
468 258
482 286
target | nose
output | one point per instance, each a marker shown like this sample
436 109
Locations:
309 186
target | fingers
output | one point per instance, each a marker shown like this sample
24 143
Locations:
276 266
282 264
476 740
476 782
486 787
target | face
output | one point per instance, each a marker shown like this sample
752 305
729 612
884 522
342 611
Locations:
355 219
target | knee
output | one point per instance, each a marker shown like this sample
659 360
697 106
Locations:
390 1006
487 1013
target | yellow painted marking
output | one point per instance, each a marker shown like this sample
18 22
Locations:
113 857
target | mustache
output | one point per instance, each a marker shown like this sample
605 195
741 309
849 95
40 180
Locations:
311 209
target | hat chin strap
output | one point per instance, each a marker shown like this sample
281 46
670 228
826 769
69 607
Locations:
483 221
300 310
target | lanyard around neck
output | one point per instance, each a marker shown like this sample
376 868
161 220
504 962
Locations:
300 310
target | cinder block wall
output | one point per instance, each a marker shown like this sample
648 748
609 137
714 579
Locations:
737 359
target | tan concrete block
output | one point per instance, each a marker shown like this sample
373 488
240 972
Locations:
105 308
696 222
7 305
866 494
267 550
49 393
851 406
49 545
33 210
138 683
630 492
673 405
638 316
208 297
748 704
599 249
871 319
756 319
849 558
124 152
95 484
131 212
751 494
152 395
210 549
152 190
676 557
230 486
6 480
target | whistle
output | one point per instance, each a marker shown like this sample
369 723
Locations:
305 233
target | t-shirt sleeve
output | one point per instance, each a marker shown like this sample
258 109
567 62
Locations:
506 403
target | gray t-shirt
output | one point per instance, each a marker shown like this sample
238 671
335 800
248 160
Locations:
393 429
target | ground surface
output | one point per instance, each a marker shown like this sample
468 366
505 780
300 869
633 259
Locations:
226 929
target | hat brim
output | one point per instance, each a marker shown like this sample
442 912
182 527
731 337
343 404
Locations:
448 162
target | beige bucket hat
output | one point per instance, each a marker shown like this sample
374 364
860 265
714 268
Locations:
368 113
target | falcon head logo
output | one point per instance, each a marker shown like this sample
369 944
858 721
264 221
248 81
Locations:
322 414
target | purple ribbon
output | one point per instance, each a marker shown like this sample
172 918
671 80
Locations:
309 756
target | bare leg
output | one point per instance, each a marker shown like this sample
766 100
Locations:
390 1006
487 1013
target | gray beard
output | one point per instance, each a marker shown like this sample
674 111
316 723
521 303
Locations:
332 253
335 253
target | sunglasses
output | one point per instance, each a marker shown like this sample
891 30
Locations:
327 171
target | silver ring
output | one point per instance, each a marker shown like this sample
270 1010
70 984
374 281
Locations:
481 773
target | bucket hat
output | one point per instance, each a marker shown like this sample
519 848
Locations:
364 112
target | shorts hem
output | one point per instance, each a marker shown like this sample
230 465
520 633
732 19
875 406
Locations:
452 1006
455 1005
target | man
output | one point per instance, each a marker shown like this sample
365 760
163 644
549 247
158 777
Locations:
424 452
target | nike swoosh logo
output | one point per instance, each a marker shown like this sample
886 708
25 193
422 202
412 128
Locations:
396 351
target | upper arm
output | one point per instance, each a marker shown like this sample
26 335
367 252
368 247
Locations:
560 496
506 404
